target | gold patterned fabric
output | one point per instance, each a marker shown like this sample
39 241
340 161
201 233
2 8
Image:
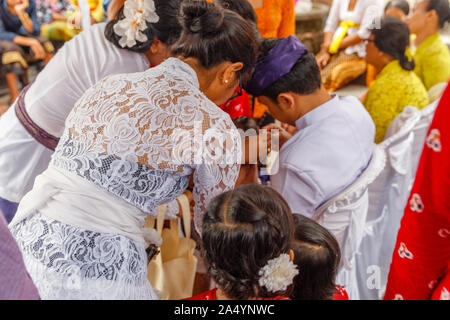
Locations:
342 69
432 59
393 89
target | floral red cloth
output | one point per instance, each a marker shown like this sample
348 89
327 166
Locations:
211 295
238 107
420 264
340 294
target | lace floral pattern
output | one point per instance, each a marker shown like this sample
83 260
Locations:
122 135
65 261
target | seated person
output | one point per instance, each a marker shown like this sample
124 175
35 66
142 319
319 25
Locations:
432 56
96 9
54 16
20 42
396 85
317 255
397 9
341 58
334 139
246 239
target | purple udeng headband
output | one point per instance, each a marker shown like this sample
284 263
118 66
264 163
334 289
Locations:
277 63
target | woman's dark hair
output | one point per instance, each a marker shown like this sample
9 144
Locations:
442 9
399 4
393 38
241 7
242 230
213 35
167 29
317 255
304 77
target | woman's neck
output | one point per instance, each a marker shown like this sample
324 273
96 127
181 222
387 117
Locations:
204 78
220 295
424 34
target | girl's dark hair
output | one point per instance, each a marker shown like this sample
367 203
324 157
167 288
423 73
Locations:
242 230
241 7
442 9
400 4
317 255
393 38
304 77
246 123
213 35
167 29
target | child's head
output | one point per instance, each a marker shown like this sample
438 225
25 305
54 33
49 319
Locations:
317 255
284 71
397 9
241 7
428 14
244 230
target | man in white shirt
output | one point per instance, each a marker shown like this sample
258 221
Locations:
334 139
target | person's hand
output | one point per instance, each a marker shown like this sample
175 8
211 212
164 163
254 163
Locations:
322 59
291 129
284 135
38 50
21 6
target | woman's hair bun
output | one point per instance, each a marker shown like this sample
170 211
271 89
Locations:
200 16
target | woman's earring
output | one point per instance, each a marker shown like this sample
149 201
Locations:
154 50
226 81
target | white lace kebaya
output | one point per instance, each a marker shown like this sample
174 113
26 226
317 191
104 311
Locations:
116 161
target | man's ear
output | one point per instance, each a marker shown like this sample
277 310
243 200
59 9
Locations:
286 101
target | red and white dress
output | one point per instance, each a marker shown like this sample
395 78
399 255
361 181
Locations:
420 265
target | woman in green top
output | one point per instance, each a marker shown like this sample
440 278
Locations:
396 85
432 56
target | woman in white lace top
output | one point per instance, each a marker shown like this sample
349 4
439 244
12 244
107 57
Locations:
78 65
131 144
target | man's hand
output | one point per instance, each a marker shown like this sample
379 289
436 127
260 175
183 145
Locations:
284 135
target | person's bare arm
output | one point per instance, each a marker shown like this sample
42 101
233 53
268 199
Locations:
114 7
349 41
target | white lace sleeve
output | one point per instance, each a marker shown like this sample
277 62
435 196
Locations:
219 171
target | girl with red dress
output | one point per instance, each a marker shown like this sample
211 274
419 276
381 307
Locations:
246 239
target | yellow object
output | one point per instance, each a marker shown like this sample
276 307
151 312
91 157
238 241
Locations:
432 60
96 8
172 271
393 89
345 25
59 31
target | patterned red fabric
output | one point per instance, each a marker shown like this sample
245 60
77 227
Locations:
238 107
211 295
422 252
340 294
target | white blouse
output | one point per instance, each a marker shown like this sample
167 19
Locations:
137 137
364 13
78 65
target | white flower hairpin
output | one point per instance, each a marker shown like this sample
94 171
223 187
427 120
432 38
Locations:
278 274
136 13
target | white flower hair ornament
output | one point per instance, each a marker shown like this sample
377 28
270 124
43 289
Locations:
278 274
136 13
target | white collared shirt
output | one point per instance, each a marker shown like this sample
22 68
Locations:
331 148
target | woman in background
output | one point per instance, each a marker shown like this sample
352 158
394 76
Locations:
20 41
432 56
54 18
341 58
396 85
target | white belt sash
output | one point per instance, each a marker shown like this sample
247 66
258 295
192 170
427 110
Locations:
75 201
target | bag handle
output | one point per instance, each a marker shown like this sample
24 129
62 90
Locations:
160 218
186 214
